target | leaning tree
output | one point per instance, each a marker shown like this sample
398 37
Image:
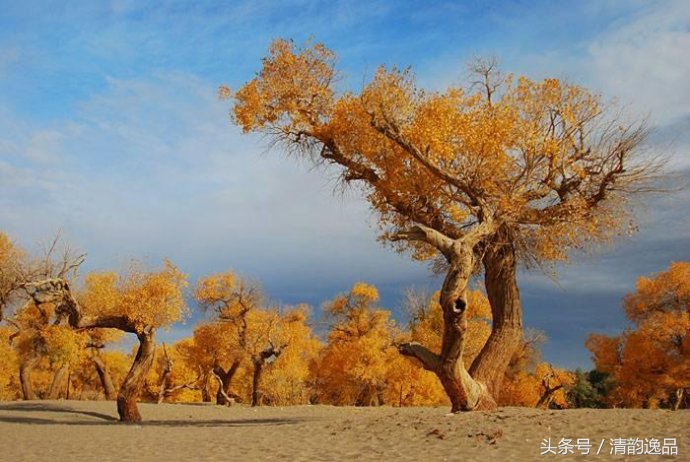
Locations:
137 302
507 171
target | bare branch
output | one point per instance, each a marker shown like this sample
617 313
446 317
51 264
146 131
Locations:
430 361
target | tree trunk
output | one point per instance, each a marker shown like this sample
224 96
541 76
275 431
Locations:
25 368
500 279
167 370
104 377
134 381
205 394
464 391
56 384
256 380
547 397
259 360
680 394
226 379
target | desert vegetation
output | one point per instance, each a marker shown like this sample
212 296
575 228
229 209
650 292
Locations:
479 181
62 337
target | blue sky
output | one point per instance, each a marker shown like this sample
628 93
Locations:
110 130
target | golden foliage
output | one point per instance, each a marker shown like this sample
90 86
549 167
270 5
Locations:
145 299
652 360
288 378
10 261
545 162
9 383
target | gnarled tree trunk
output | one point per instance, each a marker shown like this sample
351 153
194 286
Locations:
259 362
478 387
134 381
226 380
464 391
104 377
680 394
205 394
58 379
500 280
25 368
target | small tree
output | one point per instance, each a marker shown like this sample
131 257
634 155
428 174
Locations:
138 302
650 363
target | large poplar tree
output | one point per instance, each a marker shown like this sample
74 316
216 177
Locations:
507 171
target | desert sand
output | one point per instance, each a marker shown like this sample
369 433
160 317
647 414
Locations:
80 430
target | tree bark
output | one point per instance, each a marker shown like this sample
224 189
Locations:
256 382
226 379
167 370
680 394
500 279
205 394
134 381
104 377
259 360
464 391
25 368
58 379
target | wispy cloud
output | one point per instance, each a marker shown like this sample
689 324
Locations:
111 131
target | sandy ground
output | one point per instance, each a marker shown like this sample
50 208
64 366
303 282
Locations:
76 431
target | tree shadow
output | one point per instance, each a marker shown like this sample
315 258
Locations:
105 419
48 407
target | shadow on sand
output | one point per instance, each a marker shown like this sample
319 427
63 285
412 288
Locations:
104 419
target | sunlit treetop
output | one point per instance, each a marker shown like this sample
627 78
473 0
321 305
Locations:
668 293
140 298
544 164
229 296
355 314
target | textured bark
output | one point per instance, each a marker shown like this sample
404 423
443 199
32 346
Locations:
205 394
134 381
256 382
167 370
504 296
58 379
25 368
680 395
104 377
259 362
464 391
223 393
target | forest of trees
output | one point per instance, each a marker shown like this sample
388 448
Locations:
507 173
246 350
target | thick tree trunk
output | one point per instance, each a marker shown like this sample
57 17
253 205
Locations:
25 368
506 331
104 377
226 379
58 379
464 391
134 381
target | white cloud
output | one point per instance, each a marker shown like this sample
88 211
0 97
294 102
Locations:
153 168
645 61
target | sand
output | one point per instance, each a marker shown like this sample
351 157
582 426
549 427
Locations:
80 430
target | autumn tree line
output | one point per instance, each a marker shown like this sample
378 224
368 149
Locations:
249 351
479 180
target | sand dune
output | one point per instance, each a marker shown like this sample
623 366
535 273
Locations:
75 431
